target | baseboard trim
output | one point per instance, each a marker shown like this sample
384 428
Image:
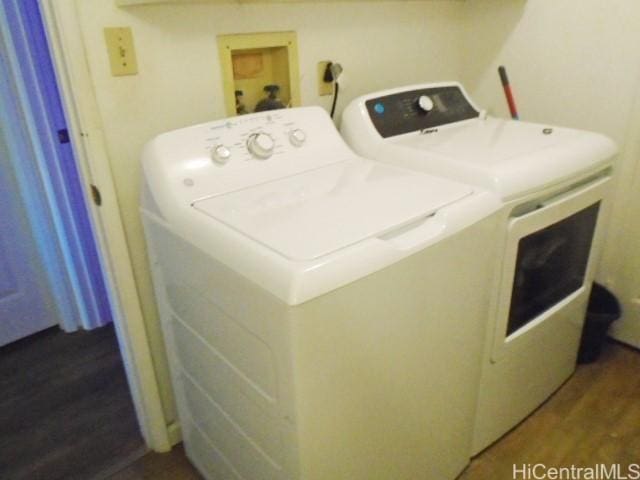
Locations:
175 433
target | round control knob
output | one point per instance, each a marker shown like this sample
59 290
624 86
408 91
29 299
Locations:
425 103
261 145
297 137
220 154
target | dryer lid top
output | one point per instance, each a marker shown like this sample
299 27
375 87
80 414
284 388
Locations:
493 142
311 214
510 157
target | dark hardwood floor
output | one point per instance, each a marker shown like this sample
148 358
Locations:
65 413
593 418
65 408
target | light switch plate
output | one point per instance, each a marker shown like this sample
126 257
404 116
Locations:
122 55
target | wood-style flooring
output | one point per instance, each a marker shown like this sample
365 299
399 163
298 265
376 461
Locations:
593 418
65 408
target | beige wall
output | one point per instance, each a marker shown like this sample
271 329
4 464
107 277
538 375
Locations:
571 62
380 45
574 63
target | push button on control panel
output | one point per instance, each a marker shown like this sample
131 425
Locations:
297 137
220 154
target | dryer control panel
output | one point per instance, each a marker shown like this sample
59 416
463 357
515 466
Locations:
418 109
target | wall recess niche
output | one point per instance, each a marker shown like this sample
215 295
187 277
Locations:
259 70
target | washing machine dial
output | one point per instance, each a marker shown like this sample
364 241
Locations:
220 154
260 145
425 103
297 137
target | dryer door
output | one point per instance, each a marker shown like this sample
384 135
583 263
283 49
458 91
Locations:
547 263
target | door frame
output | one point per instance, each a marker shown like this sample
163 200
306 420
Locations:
33 193
86 134
46 171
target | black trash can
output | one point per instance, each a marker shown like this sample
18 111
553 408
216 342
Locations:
602 311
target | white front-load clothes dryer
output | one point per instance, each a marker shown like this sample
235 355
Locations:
323 313
553 183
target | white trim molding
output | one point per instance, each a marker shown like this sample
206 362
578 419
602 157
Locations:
85 129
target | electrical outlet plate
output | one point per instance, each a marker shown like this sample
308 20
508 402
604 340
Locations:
122 55
324 88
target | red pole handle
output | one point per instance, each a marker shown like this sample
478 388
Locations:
507 92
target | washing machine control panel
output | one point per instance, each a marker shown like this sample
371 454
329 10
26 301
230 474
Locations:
253 137
238 152
419 109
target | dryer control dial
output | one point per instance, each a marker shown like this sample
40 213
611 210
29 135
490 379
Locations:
297 137
220 154
425 103
260 145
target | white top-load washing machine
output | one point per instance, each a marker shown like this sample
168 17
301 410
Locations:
553 183
324 314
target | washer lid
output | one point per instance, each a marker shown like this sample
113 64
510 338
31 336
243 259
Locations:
314 213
